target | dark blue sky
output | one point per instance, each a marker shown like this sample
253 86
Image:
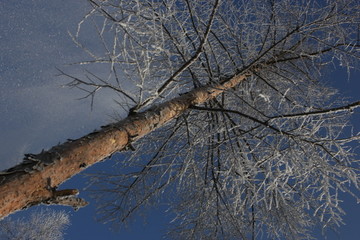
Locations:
36 113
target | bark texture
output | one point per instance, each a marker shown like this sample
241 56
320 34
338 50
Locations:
34 181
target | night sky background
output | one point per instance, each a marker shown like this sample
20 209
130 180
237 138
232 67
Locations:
36 112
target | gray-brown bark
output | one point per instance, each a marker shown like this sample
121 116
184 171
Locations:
34 180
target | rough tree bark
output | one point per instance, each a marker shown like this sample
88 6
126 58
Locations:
34 181
267 157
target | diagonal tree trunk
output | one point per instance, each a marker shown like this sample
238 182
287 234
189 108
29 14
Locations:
34 181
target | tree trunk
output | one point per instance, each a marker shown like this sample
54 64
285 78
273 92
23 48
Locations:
34 181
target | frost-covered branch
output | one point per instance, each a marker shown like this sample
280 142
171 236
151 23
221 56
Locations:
41 225
270 153
230 125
